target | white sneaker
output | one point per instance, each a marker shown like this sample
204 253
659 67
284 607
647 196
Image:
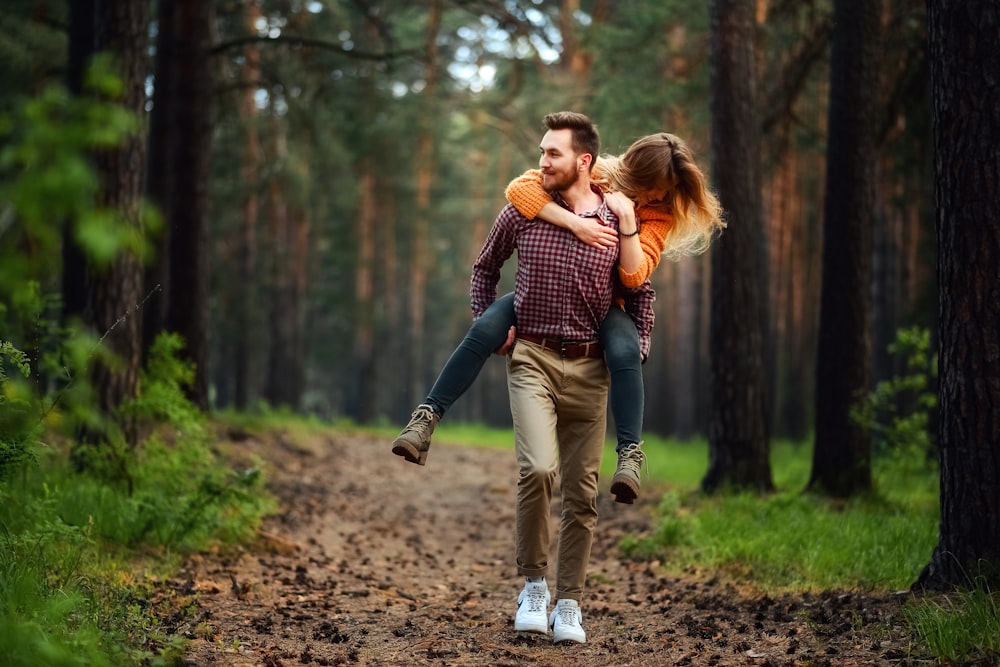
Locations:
566 622
532 604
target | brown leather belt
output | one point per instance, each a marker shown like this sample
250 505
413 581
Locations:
569 349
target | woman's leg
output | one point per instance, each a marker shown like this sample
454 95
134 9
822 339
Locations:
484 336
621 352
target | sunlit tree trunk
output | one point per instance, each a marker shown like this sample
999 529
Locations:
246 243
737 428
425 167
842 453
287 230
364 280
964 63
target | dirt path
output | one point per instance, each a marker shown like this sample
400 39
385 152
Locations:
374 561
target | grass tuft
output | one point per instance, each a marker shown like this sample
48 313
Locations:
959 628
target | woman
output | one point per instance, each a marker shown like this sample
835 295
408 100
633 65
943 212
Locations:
665 208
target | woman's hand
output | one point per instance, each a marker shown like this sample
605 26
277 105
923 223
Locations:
593 233
623 207
507 344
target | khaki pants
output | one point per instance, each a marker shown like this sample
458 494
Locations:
559 407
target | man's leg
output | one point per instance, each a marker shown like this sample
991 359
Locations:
531 405
582 424
535 447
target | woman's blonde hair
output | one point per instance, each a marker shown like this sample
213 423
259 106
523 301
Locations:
664 160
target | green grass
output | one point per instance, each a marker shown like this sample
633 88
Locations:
960 628
787 540
73 534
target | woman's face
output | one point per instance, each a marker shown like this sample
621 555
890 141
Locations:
653 195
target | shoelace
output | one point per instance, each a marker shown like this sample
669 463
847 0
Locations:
632 459
536 601
566 615
423 418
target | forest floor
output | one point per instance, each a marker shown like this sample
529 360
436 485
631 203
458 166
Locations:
376 561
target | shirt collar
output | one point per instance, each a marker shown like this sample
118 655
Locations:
602 211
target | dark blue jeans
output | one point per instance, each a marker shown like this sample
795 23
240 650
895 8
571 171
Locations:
618 336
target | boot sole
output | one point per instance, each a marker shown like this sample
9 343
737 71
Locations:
624 492
410 453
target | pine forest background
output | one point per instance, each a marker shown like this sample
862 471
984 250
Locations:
352 154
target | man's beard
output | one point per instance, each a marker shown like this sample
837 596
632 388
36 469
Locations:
560 181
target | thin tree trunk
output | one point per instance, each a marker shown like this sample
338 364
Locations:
964 62
247 287
187 313
160 172
842 453
425 168
284 373
737 429
364 325
74 264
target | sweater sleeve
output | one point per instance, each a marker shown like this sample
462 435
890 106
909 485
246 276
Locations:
654 225
527 194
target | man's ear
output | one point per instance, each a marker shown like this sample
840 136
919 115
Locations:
585 160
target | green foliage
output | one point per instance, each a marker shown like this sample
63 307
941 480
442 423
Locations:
18 417
962 628
788 540
66 603
898 410
179 494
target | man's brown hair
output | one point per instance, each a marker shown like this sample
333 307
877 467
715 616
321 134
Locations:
586 139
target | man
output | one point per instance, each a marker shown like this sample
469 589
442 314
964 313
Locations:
556 376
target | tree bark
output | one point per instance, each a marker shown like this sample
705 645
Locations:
160 172
74 264
187 312
246 243
107 297
737 429
425 168
966 131
842 453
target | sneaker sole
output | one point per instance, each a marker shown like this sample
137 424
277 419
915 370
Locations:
410 453
540 629
569 639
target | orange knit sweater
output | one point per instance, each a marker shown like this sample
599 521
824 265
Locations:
528 196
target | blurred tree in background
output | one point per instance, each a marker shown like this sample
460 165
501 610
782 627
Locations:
327 170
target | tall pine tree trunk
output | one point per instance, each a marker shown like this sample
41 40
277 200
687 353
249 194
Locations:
160 172
842 453
425 169
187 312
965 61
737 429
115 291
246 243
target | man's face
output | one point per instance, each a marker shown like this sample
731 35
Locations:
560 165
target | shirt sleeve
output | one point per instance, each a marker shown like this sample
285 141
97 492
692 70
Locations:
497 249
654 225
639 306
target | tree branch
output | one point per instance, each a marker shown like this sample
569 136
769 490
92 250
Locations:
292 40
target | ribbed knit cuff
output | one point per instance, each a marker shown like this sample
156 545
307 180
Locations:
527 194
